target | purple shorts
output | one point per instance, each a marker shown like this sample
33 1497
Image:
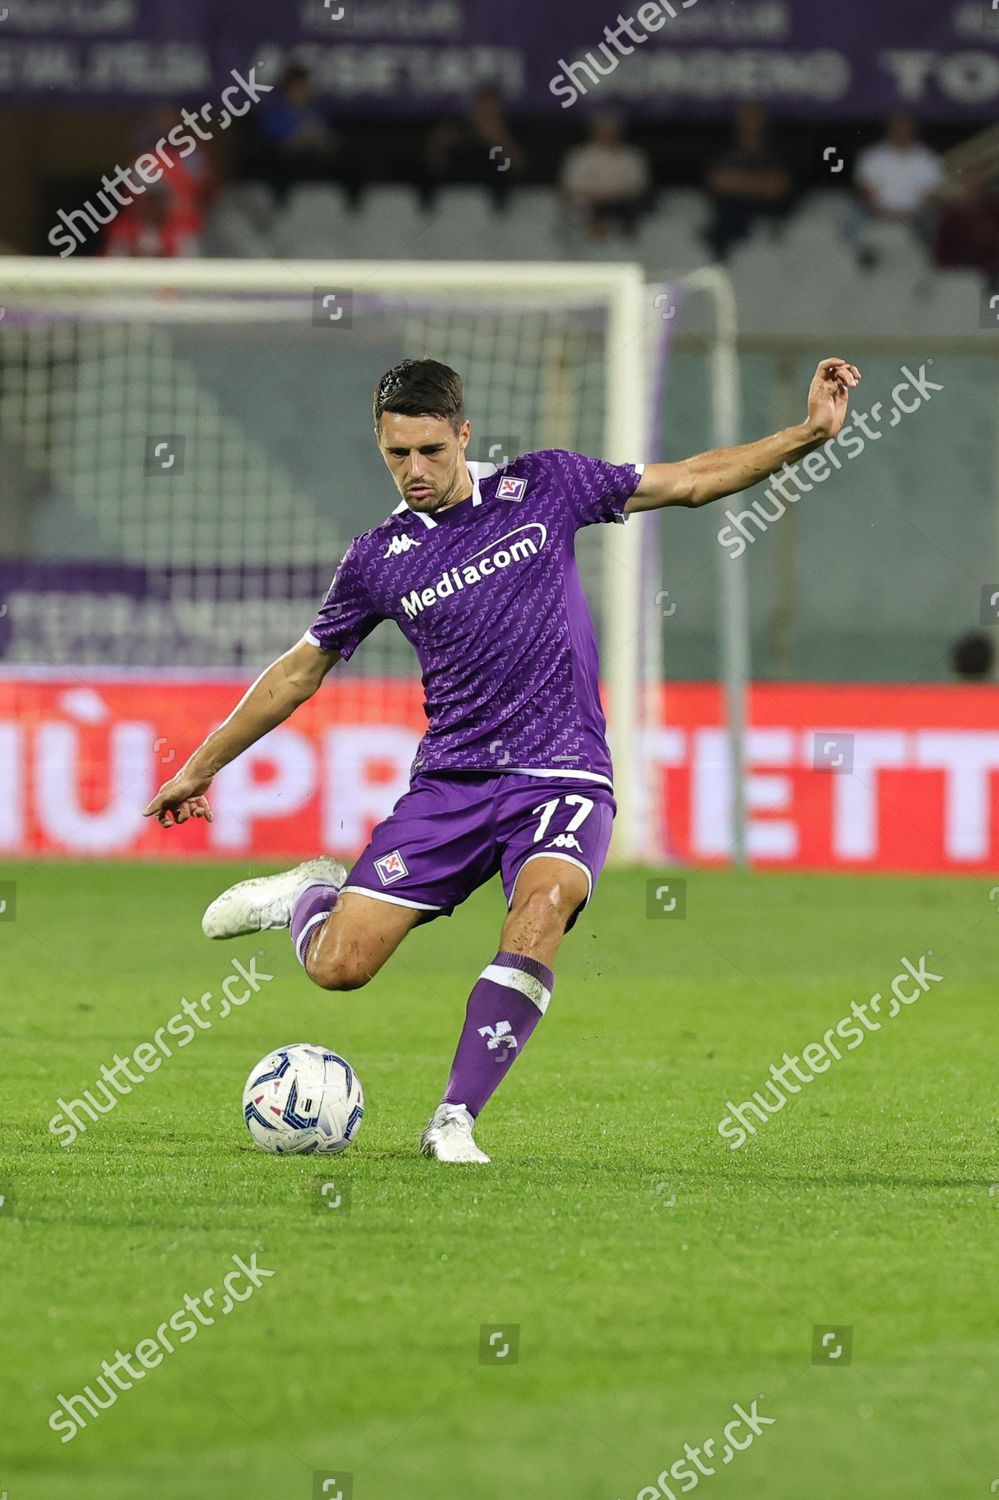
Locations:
450 834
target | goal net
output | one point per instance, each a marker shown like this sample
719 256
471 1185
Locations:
187 451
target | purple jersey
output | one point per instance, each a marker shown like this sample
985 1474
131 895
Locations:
489 594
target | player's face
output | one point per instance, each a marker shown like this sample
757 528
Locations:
426 458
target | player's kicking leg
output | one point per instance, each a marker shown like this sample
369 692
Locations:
340 940
508 1000
267 902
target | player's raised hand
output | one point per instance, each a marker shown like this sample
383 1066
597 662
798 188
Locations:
829 396
180 798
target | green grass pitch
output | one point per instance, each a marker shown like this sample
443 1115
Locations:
656 1277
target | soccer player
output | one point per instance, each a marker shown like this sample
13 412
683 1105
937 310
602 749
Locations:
476 566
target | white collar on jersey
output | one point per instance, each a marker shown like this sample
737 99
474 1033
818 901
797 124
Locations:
478 472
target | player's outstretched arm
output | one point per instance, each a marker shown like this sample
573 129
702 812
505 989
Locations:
726 471
275 695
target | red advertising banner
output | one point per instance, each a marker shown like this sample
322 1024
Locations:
872 777
840 777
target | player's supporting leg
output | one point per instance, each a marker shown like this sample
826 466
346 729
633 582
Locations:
508 1000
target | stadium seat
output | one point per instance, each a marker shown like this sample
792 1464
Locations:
670 243
529 227
896 246
388 225
241 224
687 206
315 223
778 287
471 223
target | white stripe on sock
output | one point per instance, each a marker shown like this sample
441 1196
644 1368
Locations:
302 946
517 979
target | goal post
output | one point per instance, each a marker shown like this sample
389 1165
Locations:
627 440
102 357
735 628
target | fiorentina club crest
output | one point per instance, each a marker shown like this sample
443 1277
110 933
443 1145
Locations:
511 489
391 867
500 1039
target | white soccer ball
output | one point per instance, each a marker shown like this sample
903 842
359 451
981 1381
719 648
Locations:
301 1099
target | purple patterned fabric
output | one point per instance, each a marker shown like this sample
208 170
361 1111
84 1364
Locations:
489 595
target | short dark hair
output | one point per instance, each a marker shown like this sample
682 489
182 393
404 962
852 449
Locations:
421 388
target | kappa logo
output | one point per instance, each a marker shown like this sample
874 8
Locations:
391 867
400 545
565 841
511 489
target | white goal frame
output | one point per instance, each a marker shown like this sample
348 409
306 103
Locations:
627 295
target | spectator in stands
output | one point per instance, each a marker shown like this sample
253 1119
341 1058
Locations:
973 657
748 183
477 148
606 183
968 231
152 227
295 141
168 218
897 181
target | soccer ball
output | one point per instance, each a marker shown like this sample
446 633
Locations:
301 1099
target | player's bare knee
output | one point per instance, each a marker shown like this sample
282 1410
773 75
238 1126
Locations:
543 904
544 910
336 971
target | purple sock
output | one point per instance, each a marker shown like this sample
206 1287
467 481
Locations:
308 915
508 1001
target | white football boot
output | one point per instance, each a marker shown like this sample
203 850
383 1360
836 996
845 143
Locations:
448 1136
262 904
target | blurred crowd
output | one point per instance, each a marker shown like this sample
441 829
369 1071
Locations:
606 182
